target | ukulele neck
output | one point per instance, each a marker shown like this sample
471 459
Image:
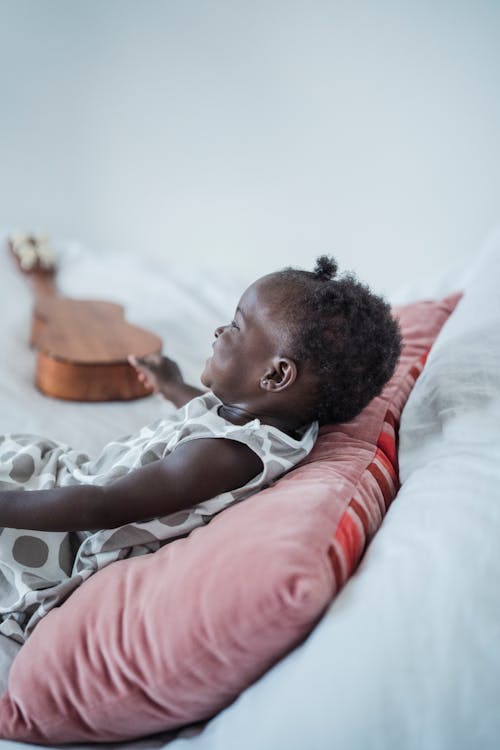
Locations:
43 284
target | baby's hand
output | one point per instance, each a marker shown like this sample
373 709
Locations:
157 373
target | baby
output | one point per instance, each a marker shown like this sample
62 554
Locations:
303 348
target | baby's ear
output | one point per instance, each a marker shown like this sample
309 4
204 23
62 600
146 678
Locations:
281 375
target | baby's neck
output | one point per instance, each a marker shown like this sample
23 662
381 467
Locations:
238 415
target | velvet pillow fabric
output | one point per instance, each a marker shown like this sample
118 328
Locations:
156 642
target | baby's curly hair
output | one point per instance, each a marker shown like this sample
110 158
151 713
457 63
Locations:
345 333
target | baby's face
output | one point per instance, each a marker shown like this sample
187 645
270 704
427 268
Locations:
244 349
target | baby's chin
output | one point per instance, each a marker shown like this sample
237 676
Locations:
205 375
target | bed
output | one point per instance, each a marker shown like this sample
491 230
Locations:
406 652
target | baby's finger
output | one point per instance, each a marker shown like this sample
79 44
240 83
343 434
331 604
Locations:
149 363
150 360
132 360
141 372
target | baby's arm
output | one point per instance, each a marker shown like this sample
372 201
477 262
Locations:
162 375
193 472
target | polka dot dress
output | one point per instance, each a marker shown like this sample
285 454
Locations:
38 570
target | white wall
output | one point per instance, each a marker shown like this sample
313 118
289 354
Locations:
255 133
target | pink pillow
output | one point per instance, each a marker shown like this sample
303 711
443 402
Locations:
156 642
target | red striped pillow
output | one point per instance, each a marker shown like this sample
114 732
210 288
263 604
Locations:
156 642
374 494
377 484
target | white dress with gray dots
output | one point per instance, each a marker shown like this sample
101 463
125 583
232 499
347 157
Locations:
38 569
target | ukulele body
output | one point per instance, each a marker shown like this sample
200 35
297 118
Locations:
82 348
83 345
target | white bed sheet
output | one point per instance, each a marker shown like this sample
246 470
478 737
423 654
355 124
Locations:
408 655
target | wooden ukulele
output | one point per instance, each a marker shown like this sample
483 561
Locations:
82 345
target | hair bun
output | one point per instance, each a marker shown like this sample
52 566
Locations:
325 268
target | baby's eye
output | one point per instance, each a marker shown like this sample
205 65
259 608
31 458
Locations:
234 324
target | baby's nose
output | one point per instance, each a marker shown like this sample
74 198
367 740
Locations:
218 331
